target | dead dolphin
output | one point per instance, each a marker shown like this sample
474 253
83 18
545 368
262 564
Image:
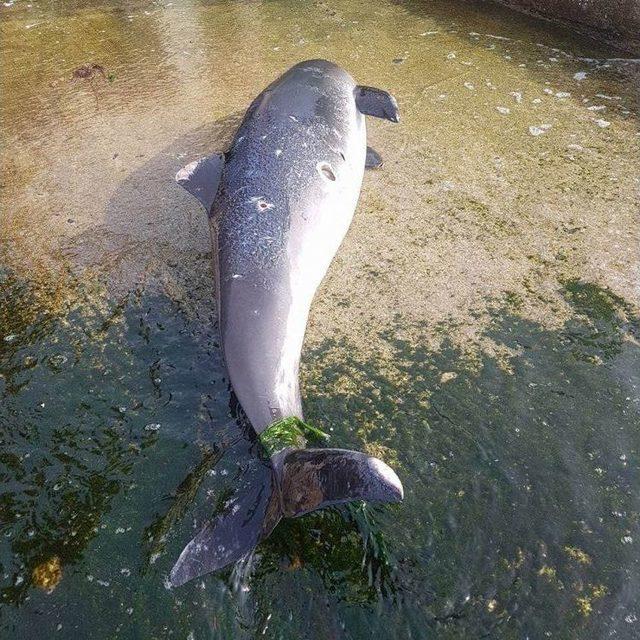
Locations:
280 202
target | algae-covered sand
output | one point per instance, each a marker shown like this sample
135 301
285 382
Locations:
478 328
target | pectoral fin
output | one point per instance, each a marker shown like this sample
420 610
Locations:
377 103
201 178
373 160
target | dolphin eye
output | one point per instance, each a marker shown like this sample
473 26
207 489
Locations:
326 171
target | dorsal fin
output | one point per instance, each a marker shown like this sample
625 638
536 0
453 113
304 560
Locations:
377 103
201 178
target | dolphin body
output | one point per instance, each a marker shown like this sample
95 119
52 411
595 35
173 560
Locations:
280 202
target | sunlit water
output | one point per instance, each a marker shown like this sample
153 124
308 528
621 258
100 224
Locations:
478 329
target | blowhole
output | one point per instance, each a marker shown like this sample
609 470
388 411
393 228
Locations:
326 171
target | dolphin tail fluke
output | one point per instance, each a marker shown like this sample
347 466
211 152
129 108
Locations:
242 522
302 480
315 478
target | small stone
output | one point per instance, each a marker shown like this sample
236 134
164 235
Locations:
538 131
448 375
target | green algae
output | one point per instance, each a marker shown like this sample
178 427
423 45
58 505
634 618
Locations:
291 432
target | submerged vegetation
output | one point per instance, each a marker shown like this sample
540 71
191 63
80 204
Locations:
289 432
518 492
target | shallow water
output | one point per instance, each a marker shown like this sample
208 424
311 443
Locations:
478 329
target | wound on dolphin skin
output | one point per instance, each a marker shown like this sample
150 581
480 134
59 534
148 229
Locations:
261 203
326 171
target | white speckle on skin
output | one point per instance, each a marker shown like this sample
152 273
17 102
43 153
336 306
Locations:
469 86
536 101
503 110
517 96
451 56
597 107
580 75
278 152
563 94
